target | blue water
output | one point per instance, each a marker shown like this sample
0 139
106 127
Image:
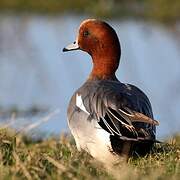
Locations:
34 71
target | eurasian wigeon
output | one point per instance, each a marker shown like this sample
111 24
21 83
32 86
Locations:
107 118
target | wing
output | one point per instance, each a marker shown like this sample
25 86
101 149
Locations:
121 123
123 111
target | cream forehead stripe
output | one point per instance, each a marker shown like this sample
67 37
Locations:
79 103
85 21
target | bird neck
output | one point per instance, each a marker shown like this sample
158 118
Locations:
104 68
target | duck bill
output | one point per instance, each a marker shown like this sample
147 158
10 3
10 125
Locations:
71 47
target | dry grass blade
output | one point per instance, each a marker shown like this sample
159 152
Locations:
38 123
10 122
55 163
22 166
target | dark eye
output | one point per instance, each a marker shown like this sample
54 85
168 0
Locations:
86 33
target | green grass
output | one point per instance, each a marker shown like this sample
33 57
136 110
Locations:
58 158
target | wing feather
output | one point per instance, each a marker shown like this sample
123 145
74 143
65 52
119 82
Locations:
110 128
138 117
120 123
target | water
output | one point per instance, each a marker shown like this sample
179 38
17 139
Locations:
35 72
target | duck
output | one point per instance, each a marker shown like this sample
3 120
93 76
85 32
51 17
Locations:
108 119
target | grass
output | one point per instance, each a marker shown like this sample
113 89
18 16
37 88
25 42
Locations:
57 158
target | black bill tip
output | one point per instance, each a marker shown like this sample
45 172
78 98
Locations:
65 50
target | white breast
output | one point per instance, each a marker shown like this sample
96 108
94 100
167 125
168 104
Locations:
93 139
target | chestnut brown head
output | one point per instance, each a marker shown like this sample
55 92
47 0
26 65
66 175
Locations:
98 39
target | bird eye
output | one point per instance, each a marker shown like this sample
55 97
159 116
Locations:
86 33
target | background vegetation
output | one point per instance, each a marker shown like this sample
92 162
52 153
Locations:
161 10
